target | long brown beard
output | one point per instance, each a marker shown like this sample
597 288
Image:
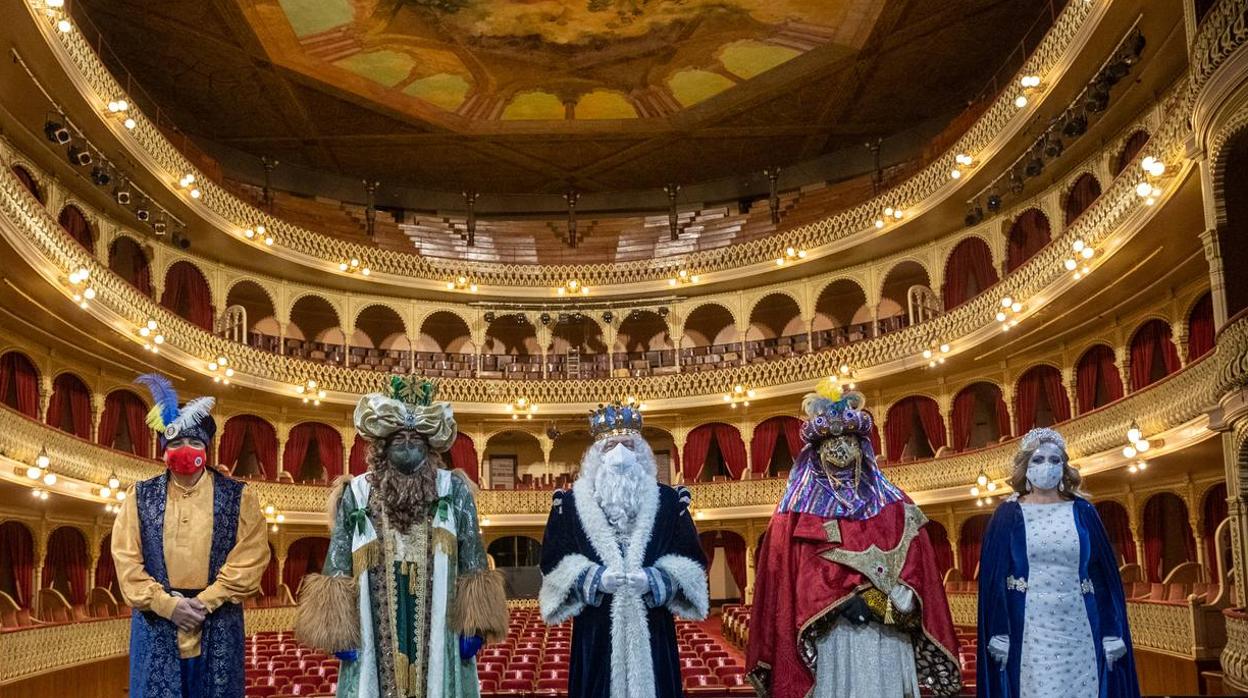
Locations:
404 498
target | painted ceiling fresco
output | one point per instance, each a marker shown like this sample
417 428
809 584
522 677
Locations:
553 60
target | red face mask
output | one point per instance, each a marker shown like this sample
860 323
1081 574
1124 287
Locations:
186 460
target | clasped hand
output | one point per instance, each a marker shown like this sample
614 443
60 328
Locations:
615 581
189 614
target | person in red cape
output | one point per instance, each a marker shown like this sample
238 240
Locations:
848 600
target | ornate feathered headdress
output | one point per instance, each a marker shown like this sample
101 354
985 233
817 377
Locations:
407 403
171 421
832 412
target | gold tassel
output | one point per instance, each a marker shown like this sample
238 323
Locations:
413 681
401 669
888 611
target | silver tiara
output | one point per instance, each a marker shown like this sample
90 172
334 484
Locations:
1035 437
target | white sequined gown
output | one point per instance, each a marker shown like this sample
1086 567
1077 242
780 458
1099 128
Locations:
865 661
1058 654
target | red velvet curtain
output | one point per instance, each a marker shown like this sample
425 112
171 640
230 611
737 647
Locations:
358 464
18 547
697 444
105 572
296 449
939 538
187 294
1130 149
74 223
268 580
124 405
19 377
29 182
263 439
1059 400
306 556
1118 526
1028 235
463 456
732 448
968 545
1027 397
961 416
140 270
1094 374
1151 338
67 555
70 398
1213 512
734 553
898 426
1200 328
1164 511
1083 192
933 423
709 540
967 273
329 443
763 445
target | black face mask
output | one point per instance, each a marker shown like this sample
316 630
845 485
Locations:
407 454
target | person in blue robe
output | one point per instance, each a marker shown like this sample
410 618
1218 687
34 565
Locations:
1052 612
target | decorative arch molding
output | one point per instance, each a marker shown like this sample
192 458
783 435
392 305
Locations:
359 308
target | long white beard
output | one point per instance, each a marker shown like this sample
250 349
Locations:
617 491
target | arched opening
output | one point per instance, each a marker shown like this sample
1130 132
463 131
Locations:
70 407
105 571
305 556
979 416
248 447
75 222
714 452
511 349
444 347
17 562
1168 540
1118 526
726 577
127 259
905 298
1153 354
643 343
1039 399
1081 195
914 429
187 295
841 315
1130 148
19 383
775 326
710 340
939 537
123 424
515 551
29 183
1233 234
775 445
666 455
1213 511
968 272
565 458
65 567
315 331
463 456
577 349
969 541
1028 235
313 453
258 315
1200 334
380 341
1097 381
514 460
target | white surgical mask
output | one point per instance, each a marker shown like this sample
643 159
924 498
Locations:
1044 476
619 458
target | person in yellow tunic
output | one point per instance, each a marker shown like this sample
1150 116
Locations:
189 546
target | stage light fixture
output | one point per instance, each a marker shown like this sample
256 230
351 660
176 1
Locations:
1076 125
490 316
994 202
79 156
545 318
160 227
1097 100
1034 166
142 214
1053 146
973 216
663 311
56 132
100 176
608 316
122 195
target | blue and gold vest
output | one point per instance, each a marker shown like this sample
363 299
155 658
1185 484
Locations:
155 669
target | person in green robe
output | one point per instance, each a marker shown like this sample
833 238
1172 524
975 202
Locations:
406 598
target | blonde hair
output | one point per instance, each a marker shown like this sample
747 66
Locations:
1071 485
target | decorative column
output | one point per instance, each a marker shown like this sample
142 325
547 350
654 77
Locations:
1072 393
1217 278
951 523
97 409
45 397
747 436
283 434
751 551
1133 522
1007 396
1123 355
680 437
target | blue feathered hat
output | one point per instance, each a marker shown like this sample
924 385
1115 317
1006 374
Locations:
171 421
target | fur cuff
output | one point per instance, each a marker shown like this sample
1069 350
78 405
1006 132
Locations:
559 598
481 606
692 600
328 617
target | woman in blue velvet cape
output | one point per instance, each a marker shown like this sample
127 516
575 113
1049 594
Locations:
1001 611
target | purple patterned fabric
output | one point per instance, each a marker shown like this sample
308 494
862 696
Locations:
810 490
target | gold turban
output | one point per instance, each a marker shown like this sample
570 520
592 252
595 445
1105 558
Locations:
378 416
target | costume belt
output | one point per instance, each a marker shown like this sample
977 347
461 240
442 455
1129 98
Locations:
1019 584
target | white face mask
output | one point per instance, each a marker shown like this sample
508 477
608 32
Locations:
619 458
1044 476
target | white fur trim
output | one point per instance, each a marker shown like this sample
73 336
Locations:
558 599
692 600
440 591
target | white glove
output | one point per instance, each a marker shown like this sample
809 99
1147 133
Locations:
999 647
612 581
1115 649
902 597
638 582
